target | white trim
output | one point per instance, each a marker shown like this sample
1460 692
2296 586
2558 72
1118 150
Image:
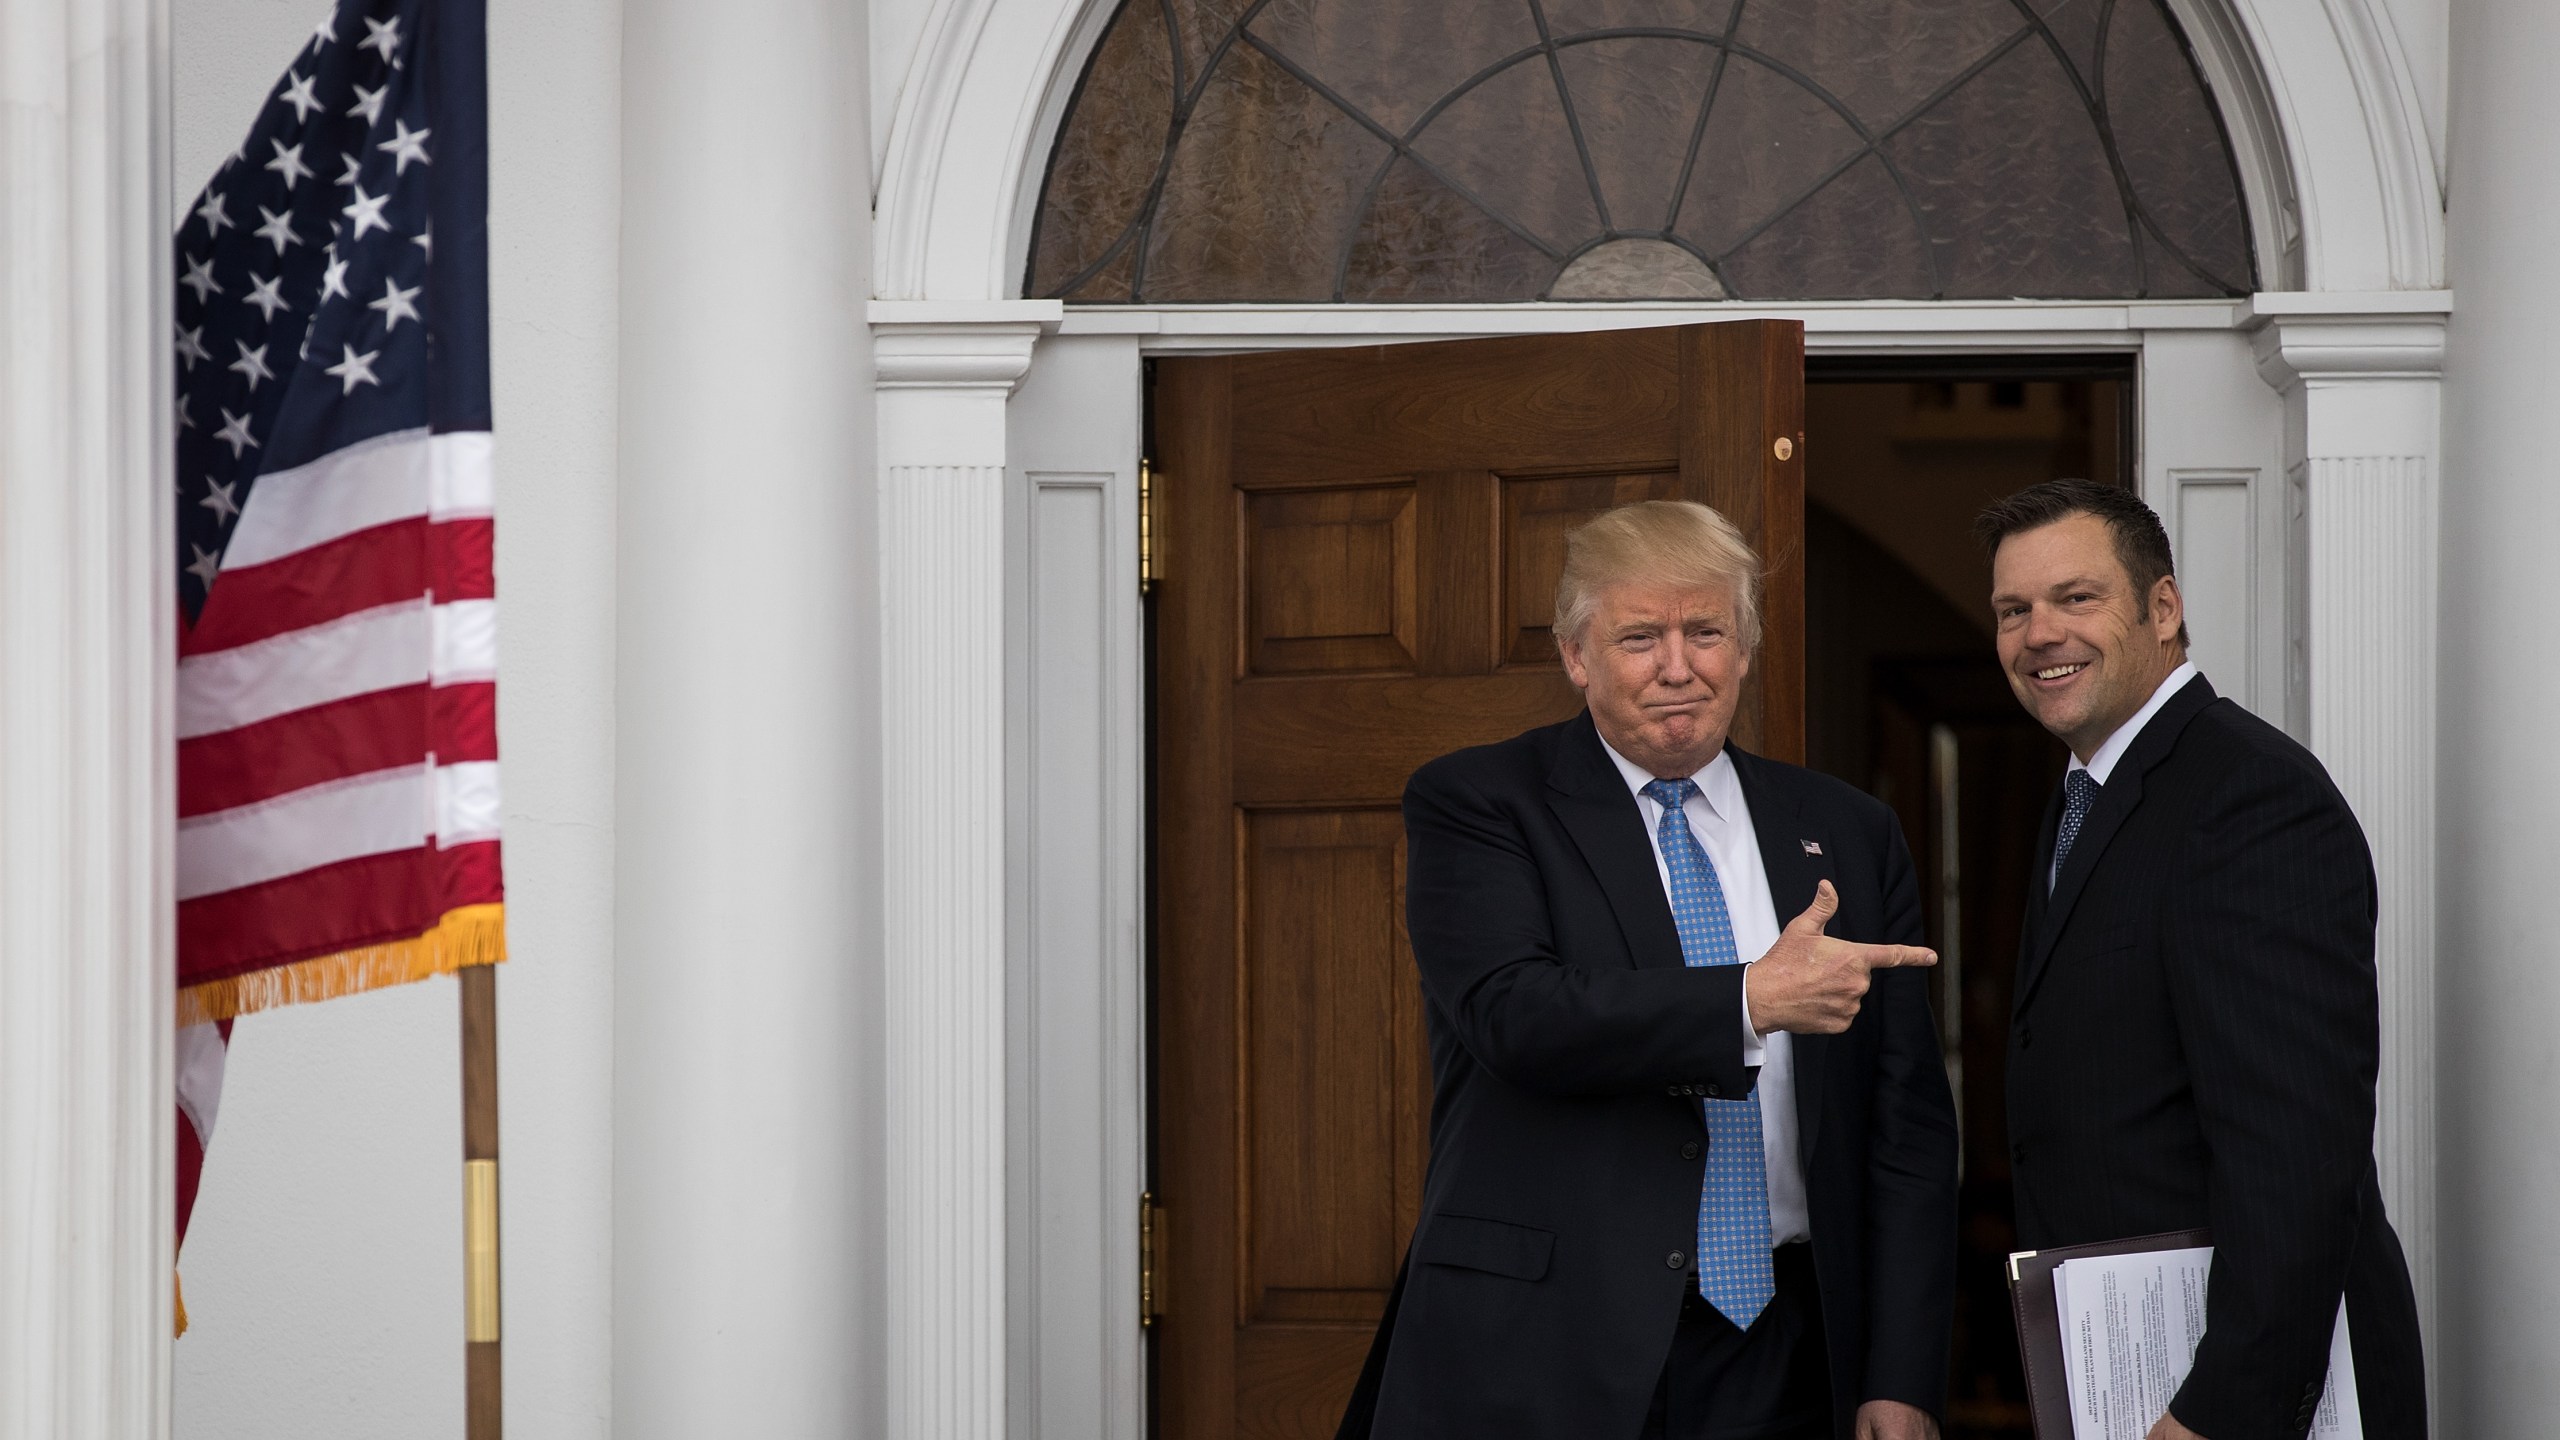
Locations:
88 639
2319 100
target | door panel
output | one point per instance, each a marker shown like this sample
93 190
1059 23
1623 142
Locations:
1362 549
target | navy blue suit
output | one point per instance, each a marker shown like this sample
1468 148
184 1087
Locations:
1569 1046
2195 1044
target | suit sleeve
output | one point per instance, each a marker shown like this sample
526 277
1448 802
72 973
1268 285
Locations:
1911 1165
1476 911
2271 975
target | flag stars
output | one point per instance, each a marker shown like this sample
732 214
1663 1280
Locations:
366 212
235 433
395 305
289 164
278 229
217 498
213 215
199 277
426 240
252 365
297 93
267 296
185 420
356 369
382 35
369 102
326 32
355 168
405 145
333 279
191 349
206 565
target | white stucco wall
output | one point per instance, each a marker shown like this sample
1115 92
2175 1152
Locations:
324 1267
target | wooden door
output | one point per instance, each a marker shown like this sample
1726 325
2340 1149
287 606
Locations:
1360 551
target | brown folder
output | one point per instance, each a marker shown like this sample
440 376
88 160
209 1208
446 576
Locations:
2039 1316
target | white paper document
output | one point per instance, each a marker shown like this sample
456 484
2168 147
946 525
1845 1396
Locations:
2130 1326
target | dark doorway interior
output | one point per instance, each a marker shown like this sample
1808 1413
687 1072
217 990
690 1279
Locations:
1904 698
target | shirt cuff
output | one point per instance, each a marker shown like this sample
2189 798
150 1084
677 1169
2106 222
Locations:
1752 1044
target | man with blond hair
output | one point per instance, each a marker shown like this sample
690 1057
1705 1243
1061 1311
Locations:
1693 1175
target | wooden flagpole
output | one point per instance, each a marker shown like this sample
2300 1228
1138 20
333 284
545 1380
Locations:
483 1417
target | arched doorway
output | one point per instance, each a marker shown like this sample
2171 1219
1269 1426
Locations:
1049 477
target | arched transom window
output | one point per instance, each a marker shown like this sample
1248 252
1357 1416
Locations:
1494 150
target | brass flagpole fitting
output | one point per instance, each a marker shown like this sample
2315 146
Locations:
480 1250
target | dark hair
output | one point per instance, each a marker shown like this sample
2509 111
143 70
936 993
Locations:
2142 545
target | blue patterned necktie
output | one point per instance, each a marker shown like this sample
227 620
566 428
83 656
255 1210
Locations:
1734 1269
2079 792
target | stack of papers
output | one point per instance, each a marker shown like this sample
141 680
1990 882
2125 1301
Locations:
2130 1326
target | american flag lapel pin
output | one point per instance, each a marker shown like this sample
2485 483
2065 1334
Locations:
1811 847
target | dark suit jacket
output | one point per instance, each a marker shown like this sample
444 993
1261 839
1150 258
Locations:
1569 1043
2195 1043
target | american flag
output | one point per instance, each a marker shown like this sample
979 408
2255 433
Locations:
337 706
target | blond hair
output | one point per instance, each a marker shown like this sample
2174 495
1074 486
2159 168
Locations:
1665 542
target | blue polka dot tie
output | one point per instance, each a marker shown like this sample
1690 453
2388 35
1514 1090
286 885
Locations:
1734 1270
2079 792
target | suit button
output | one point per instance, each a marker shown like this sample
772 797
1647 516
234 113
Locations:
2026 1039
1689 1151
1715 1091
1674 1261
1676 1091
2018 1154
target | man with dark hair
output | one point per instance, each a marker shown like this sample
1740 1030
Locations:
2196 1032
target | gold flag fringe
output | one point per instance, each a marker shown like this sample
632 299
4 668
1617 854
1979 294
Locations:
180 1289
466 936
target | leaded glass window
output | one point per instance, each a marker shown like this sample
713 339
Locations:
1493 150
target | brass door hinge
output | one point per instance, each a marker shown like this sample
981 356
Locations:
1147 572
1150 1276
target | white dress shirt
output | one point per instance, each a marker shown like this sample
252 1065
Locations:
1721 822
2102 763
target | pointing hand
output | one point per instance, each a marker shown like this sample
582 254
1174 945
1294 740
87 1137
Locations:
1812 984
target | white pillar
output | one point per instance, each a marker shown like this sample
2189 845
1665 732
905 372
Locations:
746 995
2500 762
2360 378
943 386
87 615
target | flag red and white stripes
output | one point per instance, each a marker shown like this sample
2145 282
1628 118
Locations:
338 808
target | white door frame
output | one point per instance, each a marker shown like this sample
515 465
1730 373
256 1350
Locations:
1016 1090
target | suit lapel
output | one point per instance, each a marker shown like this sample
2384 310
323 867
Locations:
1589 795
2116 802
1778 822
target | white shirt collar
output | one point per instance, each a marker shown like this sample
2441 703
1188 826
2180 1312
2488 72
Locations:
1718 782
2103 764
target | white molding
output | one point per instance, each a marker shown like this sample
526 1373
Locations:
87 652
2362 395
1076 780
944 630
2315 338
2319 97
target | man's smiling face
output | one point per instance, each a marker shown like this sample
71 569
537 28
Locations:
1661 667
2083 649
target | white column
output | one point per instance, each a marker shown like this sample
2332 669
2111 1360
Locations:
2499 850
746 1112
942 388
2360 378
87 615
